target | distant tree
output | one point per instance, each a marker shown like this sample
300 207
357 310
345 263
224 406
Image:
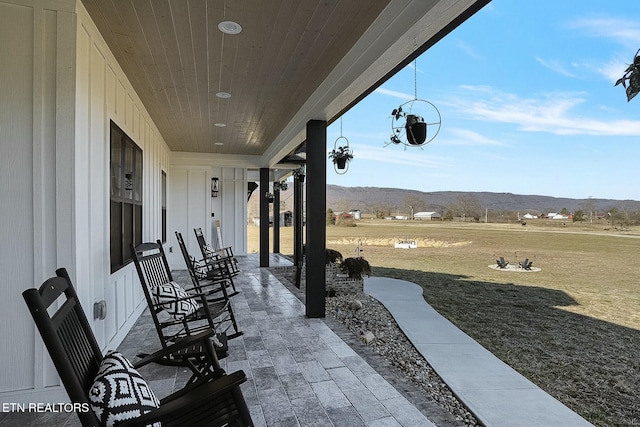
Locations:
578 216
380 210
415 204
331 217
343 205
564 211
448 216
589 208
614 215
469 207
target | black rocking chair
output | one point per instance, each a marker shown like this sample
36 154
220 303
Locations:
155 274
224 254
212 279
67 335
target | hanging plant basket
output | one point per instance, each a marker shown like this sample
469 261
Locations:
341 155
416 122
409 126
299 173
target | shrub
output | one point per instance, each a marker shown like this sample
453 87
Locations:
356 267
331 217
331 255
345 220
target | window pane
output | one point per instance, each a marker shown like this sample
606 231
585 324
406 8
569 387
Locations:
164 225
116 163
137 184
129 172
116 235
127 235
126 197
164 189
137 232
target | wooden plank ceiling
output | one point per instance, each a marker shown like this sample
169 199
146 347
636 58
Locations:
177 60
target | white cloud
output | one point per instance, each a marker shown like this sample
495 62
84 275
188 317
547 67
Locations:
397 154
622 31
468 50
557 67
552 113
394 93
468 137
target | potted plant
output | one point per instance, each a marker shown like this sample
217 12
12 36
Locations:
268 196
340 156
280 186
356 267
299 173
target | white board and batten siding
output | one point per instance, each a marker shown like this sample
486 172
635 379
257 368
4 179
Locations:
192 206
61 88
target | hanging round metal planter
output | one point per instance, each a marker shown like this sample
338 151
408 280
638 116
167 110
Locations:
415 123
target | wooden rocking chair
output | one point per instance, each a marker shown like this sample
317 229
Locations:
87 375
210 278
218 253
172 306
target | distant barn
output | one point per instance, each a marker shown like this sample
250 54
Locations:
427 215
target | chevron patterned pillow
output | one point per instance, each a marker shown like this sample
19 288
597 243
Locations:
170 296
119 392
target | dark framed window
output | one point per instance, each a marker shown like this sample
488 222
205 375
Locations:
125 198
164 207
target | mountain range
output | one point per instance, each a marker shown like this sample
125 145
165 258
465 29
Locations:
372 198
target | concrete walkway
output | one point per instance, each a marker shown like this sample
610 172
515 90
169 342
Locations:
497 394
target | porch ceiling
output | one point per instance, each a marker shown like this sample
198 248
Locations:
293 61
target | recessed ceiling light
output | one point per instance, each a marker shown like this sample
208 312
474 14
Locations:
218 143
220 125
223 95
229 27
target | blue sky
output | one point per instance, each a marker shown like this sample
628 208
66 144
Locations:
528 104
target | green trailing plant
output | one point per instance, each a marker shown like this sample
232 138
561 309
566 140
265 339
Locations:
280 186
341 153
299 173
630 80
355 267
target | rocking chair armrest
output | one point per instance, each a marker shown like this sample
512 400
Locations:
182 343
188 399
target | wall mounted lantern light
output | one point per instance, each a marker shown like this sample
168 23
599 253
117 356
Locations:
214 186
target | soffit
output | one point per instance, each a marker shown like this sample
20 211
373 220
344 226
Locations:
292 62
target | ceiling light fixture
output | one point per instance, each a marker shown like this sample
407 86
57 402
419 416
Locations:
220 125
223 95
230 27
218 143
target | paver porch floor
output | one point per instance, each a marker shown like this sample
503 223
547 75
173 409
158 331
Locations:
301 371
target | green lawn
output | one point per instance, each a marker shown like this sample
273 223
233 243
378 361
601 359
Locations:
573 328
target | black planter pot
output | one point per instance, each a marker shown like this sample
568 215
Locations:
416 130
341 163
